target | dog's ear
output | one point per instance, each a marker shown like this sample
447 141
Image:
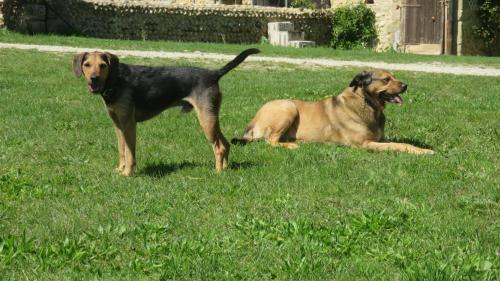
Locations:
77 64
362 79
113 62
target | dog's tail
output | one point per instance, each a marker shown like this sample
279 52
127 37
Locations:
236 61
247 137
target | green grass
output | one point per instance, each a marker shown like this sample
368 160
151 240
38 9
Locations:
267 50
321 212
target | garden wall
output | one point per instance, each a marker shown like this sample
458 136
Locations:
164 21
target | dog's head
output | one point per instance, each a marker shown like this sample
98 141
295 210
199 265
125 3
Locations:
100 69
380 85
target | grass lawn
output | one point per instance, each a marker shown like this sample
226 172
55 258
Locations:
267 50
321 212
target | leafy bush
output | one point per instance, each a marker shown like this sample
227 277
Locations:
488 29
353 26
308 4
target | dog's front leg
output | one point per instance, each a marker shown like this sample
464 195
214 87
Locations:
129 134
404 147
121 149
120 141
125 129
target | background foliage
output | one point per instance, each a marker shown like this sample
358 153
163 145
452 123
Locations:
488 29
353 26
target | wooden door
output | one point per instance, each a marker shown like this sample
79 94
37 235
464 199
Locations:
422 22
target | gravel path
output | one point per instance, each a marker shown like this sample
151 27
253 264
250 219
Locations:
420 67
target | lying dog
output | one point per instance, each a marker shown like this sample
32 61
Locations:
134 93
354 118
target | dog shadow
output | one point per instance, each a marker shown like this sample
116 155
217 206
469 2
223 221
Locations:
241 165
163 169
414 142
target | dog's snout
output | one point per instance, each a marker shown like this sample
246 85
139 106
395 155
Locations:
94 78
404 87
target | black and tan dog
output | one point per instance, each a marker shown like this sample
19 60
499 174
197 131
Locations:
134 93
354 118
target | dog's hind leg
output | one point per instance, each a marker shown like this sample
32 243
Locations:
207 109
276 132
274 139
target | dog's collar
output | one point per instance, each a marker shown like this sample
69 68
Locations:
107 92
108 95
367 100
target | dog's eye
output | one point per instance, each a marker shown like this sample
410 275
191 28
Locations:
386 80
86 64
103 65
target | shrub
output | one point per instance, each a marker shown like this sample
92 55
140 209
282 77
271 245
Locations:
488 29
353 26
308 4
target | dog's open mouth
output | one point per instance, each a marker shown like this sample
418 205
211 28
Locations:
93 88
393 98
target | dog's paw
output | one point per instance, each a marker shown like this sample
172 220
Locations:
127 172
425 151
291 145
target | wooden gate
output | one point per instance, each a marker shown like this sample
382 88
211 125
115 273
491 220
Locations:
422 22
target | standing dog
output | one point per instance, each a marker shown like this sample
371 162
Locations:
134 93
354 118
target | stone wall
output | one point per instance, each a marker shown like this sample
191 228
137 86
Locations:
162 20
211 2
29 17
388 20
1 14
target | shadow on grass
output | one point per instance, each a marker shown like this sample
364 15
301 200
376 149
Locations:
409 141
241 165
160 170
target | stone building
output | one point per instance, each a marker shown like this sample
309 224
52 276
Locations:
420 26
426 26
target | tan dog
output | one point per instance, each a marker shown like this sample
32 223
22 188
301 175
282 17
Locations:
354 118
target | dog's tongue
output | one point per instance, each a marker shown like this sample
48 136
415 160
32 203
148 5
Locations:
397 99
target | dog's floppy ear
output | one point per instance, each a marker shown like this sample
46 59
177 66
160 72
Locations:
362 79
113 62
77 64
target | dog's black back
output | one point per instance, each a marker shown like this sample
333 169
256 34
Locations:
153 89
157 88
